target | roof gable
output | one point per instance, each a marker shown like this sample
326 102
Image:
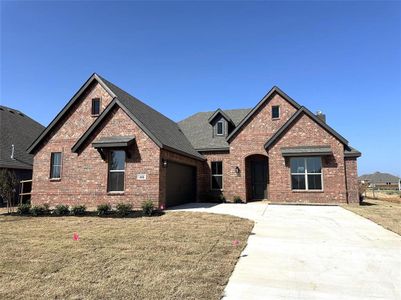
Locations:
161 129
223 114
267 97
304 110
63 112
198 130
378 177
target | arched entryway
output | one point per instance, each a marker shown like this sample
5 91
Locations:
257 177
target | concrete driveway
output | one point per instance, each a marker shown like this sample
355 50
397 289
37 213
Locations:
312 252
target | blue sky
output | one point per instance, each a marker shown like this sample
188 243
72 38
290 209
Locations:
343 58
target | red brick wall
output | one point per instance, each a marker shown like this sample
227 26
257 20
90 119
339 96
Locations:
228 173
84 175
250 140
352 180
305 132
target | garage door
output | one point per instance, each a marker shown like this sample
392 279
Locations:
180 184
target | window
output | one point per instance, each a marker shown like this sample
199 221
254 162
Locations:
95 106
306 173
220 128
275 112
55 165
116 171
217 175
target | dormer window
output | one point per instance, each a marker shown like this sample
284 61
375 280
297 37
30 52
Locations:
95 106
220 128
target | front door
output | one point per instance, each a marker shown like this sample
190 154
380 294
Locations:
259 179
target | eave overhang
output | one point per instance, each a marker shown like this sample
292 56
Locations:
114 142
306 151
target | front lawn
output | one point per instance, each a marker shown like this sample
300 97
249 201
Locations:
384 213
179 255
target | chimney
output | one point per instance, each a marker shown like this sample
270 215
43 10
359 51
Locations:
321 116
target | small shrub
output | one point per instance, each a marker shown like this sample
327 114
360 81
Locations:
78 210
237 199
147 208
46 206
61 210
23 209
103 209
222 198
123 209
38 210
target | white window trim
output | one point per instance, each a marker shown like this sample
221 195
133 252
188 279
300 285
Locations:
115 171
305 174
54 165
222 128
216 175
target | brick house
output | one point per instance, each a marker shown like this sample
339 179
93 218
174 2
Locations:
106 146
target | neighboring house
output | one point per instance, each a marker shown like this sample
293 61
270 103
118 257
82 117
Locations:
17 132
382 181
106 146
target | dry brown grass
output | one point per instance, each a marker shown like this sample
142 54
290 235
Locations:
392 196
384 213
179 255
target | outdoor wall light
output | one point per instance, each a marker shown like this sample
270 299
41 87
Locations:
237 170
164 163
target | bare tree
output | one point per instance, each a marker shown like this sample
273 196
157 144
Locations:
8 183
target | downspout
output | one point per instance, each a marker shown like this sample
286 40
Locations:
345 177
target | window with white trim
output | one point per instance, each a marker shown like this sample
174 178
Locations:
220 128
217 175
306 173
55 165
116 171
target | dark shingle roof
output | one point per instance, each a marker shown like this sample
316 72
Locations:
200 132
19 130
378 177
166 131
161 129
306 150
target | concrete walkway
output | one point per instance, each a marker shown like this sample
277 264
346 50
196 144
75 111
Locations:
312 252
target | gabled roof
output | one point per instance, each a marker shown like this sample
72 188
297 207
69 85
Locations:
378 177
267 97
199 131
163 131
19 130
62 113
220 112
304 110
